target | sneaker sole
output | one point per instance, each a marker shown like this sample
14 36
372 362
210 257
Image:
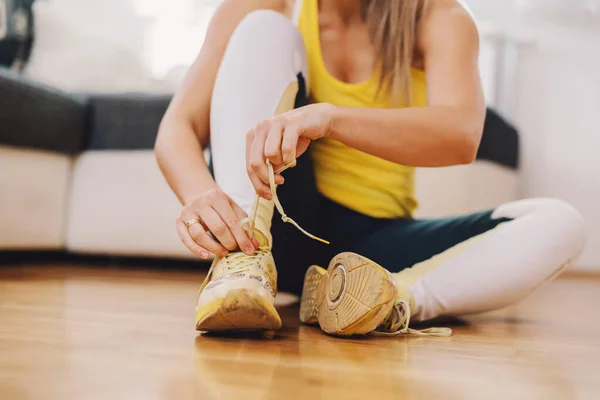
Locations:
239 310
352 297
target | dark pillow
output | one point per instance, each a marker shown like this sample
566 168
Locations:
500 141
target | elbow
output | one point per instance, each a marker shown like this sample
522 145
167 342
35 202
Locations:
468 145
159 143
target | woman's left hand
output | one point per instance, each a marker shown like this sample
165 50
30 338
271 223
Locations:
281 140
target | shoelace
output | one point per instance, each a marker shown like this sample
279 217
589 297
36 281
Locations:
236 263
248 223
397 323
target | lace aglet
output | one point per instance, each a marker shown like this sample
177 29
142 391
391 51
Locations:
322 240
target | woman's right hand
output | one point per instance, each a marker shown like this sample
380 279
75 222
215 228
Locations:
218 214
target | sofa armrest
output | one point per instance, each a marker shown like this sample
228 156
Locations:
36 116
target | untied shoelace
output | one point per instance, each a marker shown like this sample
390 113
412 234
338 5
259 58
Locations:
236 263
398 321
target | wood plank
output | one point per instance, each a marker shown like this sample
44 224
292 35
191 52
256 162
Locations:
75 332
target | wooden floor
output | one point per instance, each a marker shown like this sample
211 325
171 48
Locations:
73 332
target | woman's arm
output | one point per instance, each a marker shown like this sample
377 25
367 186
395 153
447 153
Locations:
185 129
448 130
445 132
184 133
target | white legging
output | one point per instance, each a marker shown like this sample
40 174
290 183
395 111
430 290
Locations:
264 55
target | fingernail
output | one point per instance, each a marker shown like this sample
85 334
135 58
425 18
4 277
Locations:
268 196
204 254
249 250
255 243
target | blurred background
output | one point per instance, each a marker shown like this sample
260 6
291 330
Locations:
84 84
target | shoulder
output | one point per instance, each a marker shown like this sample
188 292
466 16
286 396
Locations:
446 20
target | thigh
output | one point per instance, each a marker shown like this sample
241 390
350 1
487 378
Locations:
402 243
264 58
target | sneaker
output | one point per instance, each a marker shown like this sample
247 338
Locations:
239 290
239 293
357 296
397 322
351 297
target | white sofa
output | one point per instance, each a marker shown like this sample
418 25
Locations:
79 174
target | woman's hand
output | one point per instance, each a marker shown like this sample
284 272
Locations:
281 140
214 212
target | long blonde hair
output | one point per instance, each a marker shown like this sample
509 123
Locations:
393 29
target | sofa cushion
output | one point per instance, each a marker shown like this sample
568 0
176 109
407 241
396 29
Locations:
36 116
33 198
125 122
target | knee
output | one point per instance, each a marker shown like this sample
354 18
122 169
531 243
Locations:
566 224
267 23
268 35
552 216
571 223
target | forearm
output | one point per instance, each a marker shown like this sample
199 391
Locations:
181 159
420 137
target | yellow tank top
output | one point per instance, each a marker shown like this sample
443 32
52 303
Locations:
354 179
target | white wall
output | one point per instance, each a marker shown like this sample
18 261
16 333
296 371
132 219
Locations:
554 99
500 12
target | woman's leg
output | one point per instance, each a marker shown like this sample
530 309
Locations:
480 262
265 56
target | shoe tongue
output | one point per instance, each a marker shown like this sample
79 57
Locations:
262 239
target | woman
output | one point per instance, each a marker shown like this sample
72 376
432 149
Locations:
393 85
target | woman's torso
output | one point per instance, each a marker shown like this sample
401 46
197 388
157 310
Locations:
354 179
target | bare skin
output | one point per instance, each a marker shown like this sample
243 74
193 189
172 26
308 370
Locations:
446 132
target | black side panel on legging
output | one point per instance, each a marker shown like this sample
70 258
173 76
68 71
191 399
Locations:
292 250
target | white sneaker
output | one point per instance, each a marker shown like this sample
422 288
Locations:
239 294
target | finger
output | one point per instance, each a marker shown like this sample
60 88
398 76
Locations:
217 226
257 153
289 143
302 146
199 233
241 215
231 219
239 211
273 143
259 186
186 239
201 236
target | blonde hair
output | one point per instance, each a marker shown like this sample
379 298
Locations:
393 29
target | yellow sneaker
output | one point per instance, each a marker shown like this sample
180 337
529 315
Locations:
357 296
239 293
351 297
239 290
397 322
